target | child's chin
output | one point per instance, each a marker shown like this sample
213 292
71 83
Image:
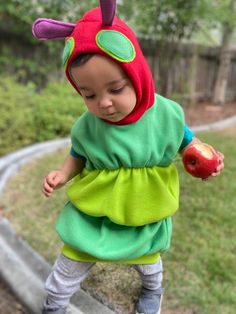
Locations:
113 118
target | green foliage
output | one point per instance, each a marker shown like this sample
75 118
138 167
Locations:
26 67
221 12
163 19
16 118
215 16
58 106
28 117
159 18
19 51
26 11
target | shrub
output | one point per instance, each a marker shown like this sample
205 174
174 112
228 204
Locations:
27 117
58 107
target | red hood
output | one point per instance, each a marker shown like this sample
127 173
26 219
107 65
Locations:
84 41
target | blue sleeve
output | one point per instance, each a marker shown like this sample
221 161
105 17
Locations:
188 137
74 154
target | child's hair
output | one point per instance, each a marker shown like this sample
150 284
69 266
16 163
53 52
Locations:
81 59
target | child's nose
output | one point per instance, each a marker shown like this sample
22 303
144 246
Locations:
105 102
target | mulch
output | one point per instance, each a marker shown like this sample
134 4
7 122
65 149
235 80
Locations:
204 113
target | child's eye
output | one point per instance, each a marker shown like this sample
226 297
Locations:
117 90
89 96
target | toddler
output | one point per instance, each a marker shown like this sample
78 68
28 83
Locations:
125 186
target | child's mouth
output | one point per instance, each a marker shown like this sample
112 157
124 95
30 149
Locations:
110 114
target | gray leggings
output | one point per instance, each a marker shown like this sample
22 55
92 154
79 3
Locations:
66 276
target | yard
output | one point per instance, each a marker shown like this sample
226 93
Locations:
199 268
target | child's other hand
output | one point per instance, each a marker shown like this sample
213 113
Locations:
55 179
220 166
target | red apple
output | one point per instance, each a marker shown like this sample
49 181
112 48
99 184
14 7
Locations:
200 160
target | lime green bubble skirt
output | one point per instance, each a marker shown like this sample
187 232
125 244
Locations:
127 196
121 215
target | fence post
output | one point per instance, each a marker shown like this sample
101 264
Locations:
193 75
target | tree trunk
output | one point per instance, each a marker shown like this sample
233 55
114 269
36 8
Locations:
220 89
219 95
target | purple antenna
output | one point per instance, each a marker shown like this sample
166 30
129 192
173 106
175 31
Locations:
108 8
45 29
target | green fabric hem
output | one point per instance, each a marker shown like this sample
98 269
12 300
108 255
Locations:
78 256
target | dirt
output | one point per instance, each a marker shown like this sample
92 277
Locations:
8 303
203 113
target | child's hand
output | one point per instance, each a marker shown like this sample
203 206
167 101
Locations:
55 179
220 166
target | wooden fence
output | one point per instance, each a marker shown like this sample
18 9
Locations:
187 71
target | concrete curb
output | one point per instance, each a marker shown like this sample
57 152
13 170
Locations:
25 272
22 268
11 163
220 125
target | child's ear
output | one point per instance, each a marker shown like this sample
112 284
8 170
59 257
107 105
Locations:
47 29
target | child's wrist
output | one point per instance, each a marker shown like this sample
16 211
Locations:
64 176
195 140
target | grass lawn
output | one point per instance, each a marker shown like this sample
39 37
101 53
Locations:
199 269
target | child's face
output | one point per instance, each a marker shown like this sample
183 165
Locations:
107 91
